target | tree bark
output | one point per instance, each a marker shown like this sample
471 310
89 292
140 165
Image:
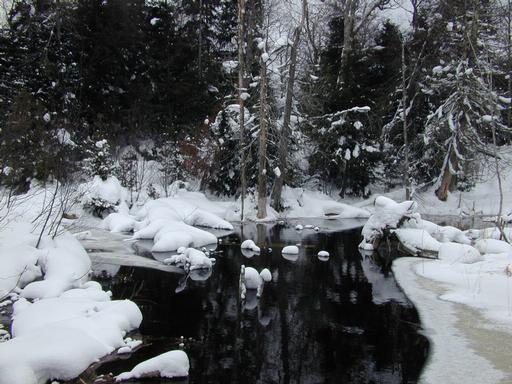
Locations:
407 183
285 130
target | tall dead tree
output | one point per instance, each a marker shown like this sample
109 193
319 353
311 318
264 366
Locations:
356 14
262 151
407 182
241 91
288 105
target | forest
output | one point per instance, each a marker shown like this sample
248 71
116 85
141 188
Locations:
335 95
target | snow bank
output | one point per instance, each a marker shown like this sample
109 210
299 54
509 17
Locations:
65 265
387 215
302 203
169 365
59 338
170 221
18 267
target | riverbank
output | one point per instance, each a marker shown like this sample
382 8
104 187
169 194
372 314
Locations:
466 347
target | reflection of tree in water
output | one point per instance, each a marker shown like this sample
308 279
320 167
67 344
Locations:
316 323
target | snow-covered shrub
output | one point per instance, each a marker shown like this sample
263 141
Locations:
99 161
170 164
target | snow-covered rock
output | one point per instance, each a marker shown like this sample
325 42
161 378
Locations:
387 215
191 259
290 250
168 365
417 240
250 245
118 222
323 254
251 279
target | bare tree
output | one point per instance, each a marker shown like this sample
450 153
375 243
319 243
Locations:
241 91
285 130
262 152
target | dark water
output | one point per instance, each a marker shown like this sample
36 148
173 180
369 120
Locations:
343 320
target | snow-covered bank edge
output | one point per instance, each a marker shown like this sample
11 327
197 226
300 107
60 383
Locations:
463 348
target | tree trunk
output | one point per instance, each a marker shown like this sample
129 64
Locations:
348 39
285 130
448 179
404 116
241 89
262 153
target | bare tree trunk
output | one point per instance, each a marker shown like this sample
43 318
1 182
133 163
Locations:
200 41
285 130
262 153
348 38
407 183
448 178
241 90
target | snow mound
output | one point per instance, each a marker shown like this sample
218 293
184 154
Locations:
458 253
169 365
417 239
190 259
249 244
65 265
492 246
290 250
323 254
109 190
170 221
18 267
251 279
118 222
59 338
388 215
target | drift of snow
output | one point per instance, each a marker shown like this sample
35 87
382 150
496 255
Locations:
168 365
493 246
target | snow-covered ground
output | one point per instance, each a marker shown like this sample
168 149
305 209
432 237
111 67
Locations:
464 295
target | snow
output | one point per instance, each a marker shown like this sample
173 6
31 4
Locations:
171 221
118 222
169 365
251 279
191 259
492 246
290 250
109 190
250 245
387 215
458 253
323 254
417 239
65 265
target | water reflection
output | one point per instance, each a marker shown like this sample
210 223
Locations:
318 321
